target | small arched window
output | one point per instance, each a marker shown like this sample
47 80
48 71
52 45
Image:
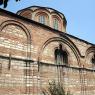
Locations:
61 56
42 19
93 59
55 23
0 68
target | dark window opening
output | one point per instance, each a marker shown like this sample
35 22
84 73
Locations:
61 56
55 23
42 19
93 59
0 68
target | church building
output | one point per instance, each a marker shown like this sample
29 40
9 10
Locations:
35 49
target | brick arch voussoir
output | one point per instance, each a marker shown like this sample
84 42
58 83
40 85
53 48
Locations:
64 40
25 10
89 50
57 15
43 10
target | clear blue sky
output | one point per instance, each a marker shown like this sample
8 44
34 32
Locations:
80 14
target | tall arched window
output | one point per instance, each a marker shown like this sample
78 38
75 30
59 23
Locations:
61 57
55 23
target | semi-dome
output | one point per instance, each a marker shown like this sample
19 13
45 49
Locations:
46 16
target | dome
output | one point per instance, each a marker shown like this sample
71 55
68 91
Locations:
46 16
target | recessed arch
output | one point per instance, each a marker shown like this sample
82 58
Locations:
27 13
89 50
25 30
56 14
60 55
42 17
13 22
57 22
16 51
89 56
64 40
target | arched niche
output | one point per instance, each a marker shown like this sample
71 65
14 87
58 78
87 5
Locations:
89 57
57 22
26 13
14 39
61 55
42 15
15 42
46 53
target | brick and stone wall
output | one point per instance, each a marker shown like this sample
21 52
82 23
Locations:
27 61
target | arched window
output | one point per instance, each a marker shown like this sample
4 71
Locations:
61 57
0 68
93 59
55 23
42 19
